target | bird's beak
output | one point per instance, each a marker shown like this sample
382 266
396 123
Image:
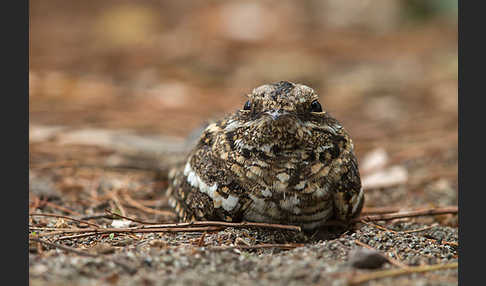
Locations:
276 113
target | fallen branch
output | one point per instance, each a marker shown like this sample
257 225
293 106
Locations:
402 271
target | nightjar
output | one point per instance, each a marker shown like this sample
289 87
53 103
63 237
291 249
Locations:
280 159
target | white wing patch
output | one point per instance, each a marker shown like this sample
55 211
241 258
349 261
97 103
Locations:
195 181
232 125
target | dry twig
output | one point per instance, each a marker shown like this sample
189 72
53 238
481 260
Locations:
418 229
383 210
143 208
128 218
65 217
195 226
259 246
230 224
396 272
213 223
63 247
378 226
114 197
200 242
95 231
95 216
61 208
404 214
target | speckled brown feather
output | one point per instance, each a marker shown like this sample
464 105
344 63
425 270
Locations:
276 161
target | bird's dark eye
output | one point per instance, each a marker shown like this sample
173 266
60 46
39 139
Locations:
316 106
247 105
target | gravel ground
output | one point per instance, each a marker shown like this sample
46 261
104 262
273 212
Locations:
175 259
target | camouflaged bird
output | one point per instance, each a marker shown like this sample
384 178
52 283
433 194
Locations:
281 159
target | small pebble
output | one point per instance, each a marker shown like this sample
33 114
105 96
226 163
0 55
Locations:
365 258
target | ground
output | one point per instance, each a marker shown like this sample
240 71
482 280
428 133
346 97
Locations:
117 88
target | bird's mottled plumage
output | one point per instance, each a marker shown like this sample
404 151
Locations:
280 159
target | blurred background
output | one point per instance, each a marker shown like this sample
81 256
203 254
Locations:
386 69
